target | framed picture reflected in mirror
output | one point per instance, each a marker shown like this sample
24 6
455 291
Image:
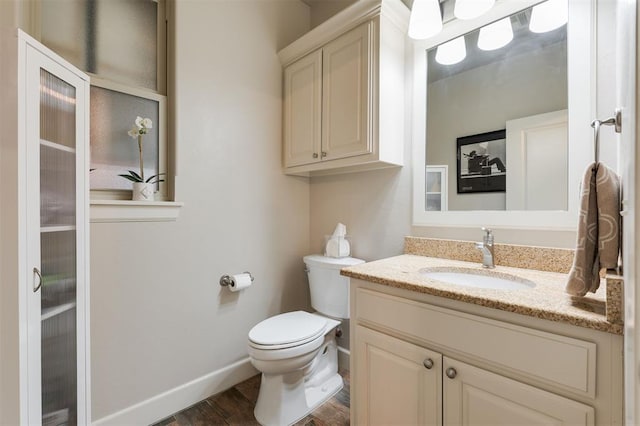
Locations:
482 162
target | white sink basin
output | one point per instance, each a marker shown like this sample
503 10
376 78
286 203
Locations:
478 278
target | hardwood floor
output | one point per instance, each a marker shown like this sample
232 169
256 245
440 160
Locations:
235 407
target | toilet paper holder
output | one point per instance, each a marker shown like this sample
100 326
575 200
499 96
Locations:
225 280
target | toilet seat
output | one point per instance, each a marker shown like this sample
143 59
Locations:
287 330
260 354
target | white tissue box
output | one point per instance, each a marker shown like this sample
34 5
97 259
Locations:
337 246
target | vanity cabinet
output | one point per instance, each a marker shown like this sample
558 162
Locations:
344 92
44 291
398 382
473 396
402 383
419 359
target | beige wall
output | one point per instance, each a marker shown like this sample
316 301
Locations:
321 10
9 295
158 316
375 206
13 14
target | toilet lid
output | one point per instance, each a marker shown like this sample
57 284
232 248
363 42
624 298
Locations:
291 327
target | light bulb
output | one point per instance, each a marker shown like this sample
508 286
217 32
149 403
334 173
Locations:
469 9
548 16
425 20
451 52
496 35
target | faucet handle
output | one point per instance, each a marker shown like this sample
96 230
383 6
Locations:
488 235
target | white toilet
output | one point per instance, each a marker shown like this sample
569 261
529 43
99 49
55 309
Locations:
297 352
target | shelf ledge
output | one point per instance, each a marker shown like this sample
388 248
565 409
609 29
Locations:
113 211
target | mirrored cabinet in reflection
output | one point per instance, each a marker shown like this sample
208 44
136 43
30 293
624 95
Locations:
436 188
49 191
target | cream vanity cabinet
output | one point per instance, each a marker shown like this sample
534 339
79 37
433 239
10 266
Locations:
44 288
416 361
344 92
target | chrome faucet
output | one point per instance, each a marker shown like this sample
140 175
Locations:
486 246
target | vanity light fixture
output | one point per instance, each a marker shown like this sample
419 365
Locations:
496 35
451 52
469 9
425 20
548 16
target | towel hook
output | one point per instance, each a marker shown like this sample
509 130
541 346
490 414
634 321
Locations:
616 121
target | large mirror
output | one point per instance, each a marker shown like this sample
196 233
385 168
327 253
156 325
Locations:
514 100
505 108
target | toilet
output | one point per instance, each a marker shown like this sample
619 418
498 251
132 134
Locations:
296 352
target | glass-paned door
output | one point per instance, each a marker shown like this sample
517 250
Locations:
56 230
436 188
58 250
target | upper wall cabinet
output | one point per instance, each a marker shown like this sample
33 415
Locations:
344 92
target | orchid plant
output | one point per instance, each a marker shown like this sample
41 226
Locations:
141 128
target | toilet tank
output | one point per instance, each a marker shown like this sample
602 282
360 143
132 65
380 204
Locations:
329 290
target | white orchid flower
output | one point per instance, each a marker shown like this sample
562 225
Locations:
142 126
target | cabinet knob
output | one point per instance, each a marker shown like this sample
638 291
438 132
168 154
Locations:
315 155
428 363
451 373
324 154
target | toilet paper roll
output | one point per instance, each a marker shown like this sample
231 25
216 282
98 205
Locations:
240 282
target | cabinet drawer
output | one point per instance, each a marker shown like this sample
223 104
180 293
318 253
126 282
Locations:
560 361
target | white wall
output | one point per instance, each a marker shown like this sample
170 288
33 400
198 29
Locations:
159 317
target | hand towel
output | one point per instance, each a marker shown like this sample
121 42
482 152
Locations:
598 241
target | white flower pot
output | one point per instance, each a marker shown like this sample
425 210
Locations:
143 191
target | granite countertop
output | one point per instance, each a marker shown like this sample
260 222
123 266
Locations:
547 300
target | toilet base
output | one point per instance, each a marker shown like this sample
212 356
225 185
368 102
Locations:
319 395
294 405
286 398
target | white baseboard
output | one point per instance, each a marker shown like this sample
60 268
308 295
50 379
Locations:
343 358
183 396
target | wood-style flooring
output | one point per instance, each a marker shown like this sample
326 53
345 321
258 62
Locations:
235 407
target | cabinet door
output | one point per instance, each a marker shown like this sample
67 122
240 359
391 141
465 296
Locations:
396 382
436 188
473 396
57 204
346 92
302 110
